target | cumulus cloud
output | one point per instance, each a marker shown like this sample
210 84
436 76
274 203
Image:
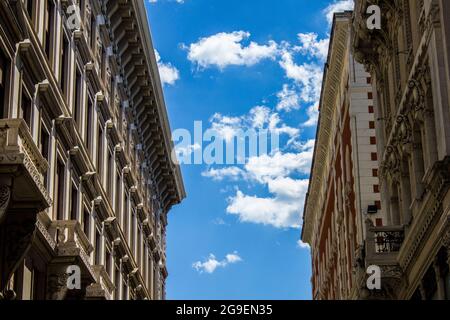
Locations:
288 99
227 49
232 173
312 46
283 210
211 264
168 73
185 151
258 118
337 6
308 76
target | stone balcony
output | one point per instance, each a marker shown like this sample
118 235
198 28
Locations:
72 249
22 167
103 288
22 193
383 244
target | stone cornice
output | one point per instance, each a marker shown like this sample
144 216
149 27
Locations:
330 89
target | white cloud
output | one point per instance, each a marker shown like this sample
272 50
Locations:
267 167
310 45
308 76
168 73
313 115
303 245
211 264
338 6
233 173
226 49
288 99
283 210
187 150
258 118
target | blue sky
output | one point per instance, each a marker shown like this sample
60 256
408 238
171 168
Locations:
233 65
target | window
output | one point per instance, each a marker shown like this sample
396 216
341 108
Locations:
45 148
133 233
88 137
125 216
4 71
124 289
25 107
49 28
78 106
117 283
74 203
93 26
110 185
98 247
100 153
117 196
59 191
29 6
63 74
103 58
87 223
108 261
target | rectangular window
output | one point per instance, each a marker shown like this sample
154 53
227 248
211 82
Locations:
124 290
125 216
4 71
98 247
78 106
110 185
49 28
88 137
117 196
64 67
45 148
59 191
93 26
87 223
29 6
100 153
117 283
108 261
133 233
74 203
25 107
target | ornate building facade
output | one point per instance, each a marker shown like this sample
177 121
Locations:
344 189
409 61
86 171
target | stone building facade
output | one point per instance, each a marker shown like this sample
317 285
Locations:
344 189
409 62
86 171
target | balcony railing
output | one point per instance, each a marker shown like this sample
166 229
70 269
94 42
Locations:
388 240
18 149
383 243
71 240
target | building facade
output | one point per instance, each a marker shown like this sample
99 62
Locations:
344 189
86 171
409 62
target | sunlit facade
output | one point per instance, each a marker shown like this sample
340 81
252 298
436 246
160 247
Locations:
86 173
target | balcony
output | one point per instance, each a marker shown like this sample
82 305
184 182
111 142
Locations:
383 243
103 288
72 249
71 242
22 166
